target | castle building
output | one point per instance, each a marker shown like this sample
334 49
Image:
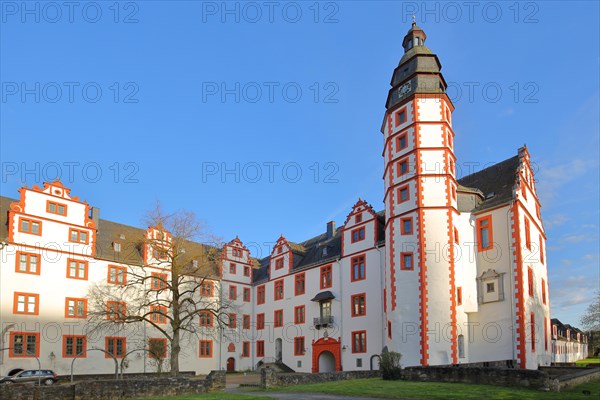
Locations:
451 271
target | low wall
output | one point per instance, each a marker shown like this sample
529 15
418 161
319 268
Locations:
270 378
135 375
486 376
582 376
115 389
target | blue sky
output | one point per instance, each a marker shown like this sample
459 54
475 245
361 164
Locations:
155 101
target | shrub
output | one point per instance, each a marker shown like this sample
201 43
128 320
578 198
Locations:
390 365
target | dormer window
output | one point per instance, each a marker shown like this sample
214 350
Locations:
117 246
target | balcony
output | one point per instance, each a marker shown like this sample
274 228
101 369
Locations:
323 322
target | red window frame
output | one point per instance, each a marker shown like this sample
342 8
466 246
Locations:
116 310
246 270
403 229
79 263
400 139
541 249
57 208
205 348
459 295
31 222
530 281
456 239
260 294
278 318
299 346
279 263
246 295
158 281
543 291
78 234
76 301
232 292
360 345
401 116
27 297
326 276
232 268
116 270
28 263
158 314
278 292
115 345
299 284
260 321
480 228
245 348
527 233
260 348
358 268
358 218
164 344
357 235
232 322
24 353
403 261
246 321
207 289
403 189
400 165
299 314
205 319
73 353
358 309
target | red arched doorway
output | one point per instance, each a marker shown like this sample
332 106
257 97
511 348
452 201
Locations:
328 345
231 364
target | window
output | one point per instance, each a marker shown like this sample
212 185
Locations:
402 167
530 280
74 346
358 235
279 290
260 295
279 263
232 292
538 212
246 294
532 332
527 233
237 252
158 281
78 236
206 289
456 240
30 226
403 194
358 268
232 320
406 261
326 277
299 346
115 310
278 316
359 342
246 349
401 142
160 255
325 309
279 250
24 344
490 287
545 333
358 218
401 117
541 249
158 314
117 247
28 263
26 303
246 270
359 305
246 321
56 208
461 346
157 348
299 284
484 233
117 275
77 269
260 321
117 346
543 291
406 226
75 308
459 295
232 268
260 348
206 319
299 314
389 324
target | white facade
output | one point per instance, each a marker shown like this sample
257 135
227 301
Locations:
451 272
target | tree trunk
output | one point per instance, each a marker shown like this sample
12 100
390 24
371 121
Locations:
175 349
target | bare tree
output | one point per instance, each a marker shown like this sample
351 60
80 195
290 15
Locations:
176 281
591 319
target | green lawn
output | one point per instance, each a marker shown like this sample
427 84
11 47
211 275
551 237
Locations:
212 396
435 390
591 360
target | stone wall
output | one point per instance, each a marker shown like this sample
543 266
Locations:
270 378
486 376
115 389
584 375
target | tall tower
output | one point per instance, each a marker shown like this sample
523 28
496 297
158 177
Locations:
420 204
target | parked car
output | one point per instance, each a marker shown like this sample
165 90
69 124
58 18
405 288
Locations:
44 376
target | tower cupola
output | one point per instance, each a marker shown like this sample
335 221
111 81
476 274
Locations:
415 37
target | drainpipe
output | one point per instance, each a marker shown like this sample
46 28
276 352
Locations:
512 286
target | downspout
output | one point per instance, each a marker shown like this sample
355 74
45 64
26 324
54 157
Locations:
512 286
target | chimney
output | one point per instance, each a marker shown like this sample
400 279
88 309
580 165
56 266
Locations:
95 215
330 229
